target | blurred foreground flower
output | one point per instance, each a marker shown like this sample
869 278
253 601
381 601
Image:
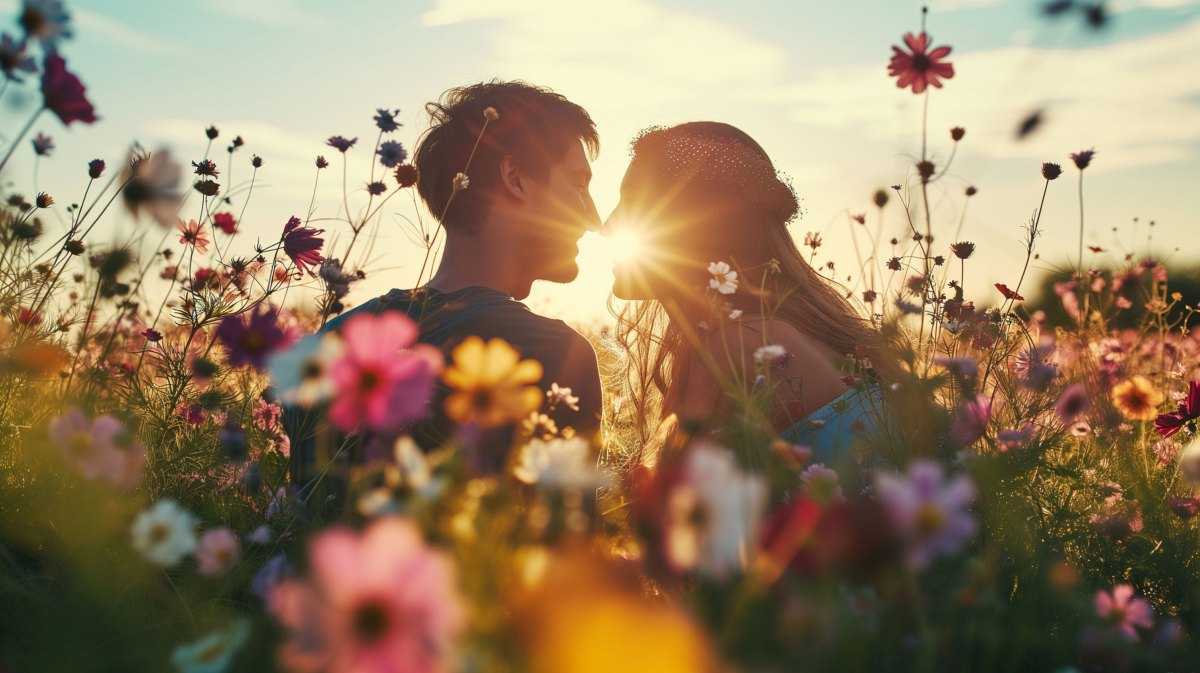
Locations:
928 511
1189 410
301 373
713 513
217 552
165 533
918 67
384 378
1123 610
214 652
559 463
99 449
376 601
152 186
492 385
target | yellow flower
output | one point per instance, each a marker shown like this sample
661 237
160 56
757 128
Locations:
492 385
1136 398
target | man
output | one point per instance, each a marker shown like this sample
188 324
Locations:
518 219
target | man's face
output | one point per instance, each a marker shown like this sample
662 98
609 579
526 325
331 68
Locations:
561 211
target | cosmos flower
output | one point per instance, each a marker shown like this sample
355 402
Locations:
1083 158
492 385
1127 613
217 552
301 373
1136 398
225 222
302 245
251 338
1189 410
971 420
376 601
724 279
42 145
928 511
63 93
213 652
821 484
99 449
165 533
384 377
341 144
1072 404
13 58
152 186
192 233
386 120
561 395
918 67
45 21
713 513
392 154
559 463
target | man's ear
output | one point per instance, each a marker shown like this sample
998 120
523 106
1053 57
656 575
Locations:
511 180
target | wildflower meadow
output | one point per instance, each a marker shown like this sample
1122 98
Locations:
1028 502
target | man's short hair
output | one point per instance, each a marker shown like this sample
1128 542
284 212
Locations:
536 126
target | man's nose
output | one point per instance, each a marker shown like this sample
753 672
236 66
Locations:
591 216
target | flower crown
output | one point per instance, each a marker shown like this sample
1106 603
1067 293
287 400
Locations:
679 154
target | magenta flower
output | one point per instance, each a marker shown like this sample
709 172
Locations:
217 552
1073 403
302 245
927 511
63 93
99 449
918 67
1189 410
384 377
375 602
971 421
1182 507
251 338
1122 609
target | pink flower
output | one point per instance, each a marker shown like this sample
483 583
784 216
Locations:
971 420
101 449
384 377
1189 410
217 552
267 415
927 511
1125 611
916 67
64 93
225 222
192 233
1073 403
377 602
302 245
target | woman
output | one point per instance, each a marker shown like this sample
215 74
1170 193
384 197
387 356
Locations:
732 318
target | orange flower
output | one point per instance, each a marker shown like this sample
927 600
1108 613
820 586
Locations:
492 384
1137 399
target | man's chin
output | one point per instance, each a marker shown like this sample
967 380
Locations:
562 274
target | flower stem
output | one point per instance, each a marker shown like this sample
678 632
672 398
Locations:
16 141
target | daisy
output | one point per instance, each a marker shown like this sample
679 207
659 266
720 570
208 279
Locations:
165 533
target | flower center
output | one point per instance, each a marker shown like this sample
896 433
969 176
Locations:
930 519
80 444
371 622
159 534
253 342
921 62
481 399
368 380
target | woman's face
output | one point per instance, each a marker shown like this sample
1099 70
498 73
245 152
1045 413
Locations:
651 221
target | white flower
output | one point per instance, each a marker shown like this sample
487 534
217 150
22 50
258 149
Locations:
214 652
411 468
735 314
821 484
715 513
561 395
724 280
461 182
165 533
559 463
301 373
769 356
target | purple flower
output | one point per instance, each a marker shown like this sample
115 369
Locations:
1126 612
386 120
392 154
302 245
1189 409
929 513
274 571
42 144
341 144
251 338
1015 440
1082 159
971 420
1073 403
13 58
376 188
95 168
63 93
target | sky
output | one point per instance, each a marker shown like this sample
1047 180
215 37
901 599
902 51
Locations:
806 78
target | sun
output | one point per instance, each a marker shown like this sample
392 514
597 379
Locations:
622 245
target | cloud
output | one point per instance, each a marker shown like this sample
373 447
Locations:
120 34
281 13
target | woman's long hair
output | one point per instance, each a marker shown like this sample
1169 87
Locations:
775 280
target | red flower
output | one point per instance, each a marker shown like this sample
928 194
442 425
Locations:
1189 409
225 222
63 93
918 68
302 245
1008 294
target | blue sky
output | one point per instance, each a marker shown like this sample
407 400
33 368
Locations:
807 79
